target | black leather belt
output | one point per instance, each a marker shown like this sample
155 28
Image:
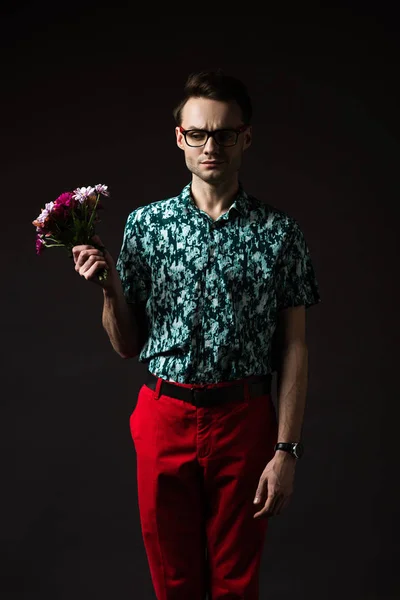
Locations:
258 386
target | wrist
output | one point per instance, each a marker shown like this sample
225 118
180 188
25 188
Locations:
109 292
113 290
283 455
293 449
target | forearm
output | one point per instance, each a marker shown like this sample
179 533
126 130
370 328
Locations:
119 322
292 381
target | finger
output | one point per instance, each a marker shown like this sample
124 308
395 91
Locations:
269 507
271 503
96 240
92 260
280 505
84 264
285 503
99 244
77 251
86 255
91 273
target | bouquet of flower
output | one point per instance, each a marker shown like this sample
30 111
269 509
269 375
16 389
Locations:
70 221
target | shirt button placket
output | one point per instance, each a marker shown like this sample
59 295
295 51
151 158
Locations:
212 246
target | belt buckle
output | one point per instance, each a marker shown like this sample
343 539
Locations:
194 390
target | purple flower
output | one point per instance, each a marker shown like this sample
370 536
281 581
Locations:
102 189
44 214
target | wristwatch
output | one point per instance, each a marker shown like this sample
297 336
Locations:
296 449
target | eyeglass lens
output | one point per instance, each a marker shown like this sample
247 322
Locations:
223 137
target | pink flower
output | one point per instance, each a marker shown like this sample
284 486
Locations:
63 204
70 219
39 245
64 199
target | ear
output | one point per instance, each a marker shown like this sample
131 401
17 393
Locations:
248 136
179 138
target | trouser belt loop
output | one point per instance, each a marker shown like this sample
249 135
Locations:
158 388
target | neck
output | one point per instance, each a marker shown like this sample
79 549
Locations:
214 199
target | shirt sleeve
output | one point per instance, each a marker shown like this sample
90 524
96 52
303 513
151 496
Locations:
296 283
131 265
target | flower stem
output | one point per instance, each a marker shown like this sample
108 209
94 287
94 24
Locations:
93 213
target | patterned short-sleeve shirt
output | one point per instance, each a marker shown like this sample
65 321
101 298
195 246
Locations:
212 290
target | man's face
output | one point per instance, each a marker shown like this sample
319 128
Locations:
203 113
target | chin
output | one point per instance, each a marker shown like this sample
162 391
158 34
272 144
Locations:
210 176
214 178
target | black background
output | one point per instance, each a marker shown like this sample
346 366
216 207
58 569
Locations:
87 97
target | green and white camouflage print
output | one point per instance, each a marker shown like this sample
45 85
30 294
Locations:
212 289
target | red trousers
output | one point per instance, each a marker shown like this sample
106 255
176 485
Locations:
197 473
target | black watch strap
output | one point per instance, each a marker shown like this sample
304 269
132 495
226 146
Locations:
296 449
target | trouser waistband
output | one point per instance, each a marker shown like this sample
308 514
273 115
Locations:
218 394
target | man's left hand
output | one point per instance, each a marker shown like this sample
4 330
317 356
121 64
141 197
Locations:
276 485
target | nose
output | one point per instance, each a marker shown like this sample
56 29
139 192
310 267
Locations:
211 146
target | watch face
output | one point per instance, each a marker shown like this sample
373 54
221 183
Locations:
298 450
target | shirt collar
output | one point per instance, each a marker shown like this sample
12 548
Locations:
241 203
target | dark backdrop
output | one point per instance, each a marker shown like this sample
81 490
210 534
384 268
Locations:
87 98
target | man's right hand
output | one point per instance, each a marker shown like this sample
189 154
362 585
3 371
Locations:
89 260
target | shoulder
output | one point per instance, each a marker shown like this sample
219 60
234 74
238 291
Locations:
146 216
275 220
155 211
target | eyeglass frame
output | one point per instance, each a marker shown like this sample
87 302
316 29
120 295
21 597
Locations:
238 131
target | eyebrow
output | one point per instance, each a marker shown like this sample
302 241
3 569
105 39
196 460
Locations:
204 129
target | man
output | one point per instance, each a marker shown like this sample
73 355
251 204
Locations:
210 289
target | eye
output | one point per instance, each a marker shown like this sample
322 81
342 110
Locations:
226 135
196 135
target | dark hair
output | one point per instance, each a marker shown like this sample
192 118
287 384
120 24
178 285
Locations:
217 86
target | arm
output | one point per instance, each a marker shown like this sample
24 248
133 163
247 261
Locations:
276 482
292 375
121 322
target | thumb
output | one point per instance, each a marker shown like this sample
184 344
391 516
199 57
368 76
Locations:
107 256
97 240
257 497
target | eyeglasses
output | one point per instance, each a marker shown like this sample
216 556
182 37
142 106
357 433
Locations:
223 137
